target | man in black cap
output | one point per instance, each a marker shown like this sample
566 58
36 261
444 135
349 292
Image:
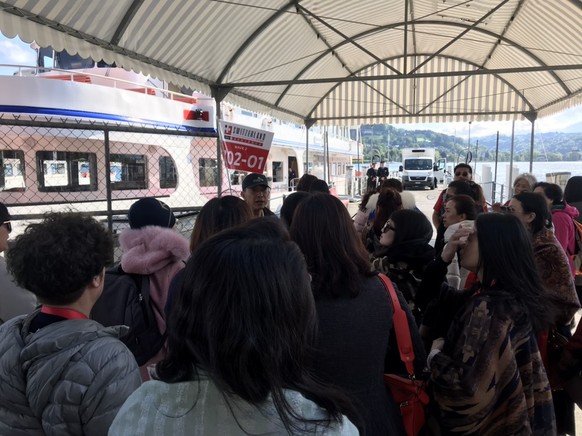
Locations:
256 192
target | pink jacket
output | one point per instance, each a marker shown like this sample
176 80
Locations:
158 252
564 229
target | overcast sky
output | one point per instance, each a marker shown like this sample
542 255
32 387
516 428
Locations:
14 51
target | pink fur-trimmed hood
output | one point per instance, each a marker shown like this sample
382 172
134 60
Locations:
159 253
150 249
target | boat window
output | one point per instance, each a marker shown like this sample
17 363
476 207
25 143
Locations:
208 171
168 173
236 177
278 175
127 171
64 171
45 57
72 62
12 178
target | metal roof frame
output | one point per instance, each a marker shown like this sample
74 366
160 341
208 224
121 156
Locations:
323 49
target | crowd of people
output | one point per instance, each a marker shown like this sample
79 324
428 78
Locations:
282 325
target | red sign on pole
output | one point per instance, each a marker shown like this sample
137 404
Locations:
245 148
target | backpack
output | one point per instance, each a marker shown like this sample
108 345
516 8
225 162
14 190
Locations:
126 301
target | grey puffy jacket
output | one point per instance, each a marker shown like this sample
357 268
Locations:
68 378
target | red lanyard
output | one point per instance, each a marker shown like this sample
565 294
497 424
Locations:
62 312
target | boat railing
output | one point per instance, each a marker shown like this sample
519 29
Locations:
495 192
82 76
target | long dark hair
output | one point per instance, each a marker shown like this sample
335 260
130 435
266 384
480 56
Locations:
336 257
532 202
506 260
219 214
245 315
290 204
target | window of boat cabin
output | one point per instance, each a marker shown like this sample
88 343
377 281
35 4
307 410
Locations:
12 178
72 62
65 171
128 171
168 173
208 172
278 175
236 176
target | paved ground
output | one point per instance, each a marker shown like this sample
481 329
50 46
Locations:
425 201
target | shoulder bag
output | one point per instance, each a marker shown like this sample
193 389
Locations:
408 392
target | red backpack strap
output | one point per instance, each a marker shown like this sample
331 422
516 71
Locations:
401 328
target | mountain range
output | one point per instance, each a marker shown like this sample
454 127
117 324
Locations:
385 141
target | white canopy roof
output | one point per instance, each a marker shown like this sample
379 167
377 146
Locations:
334 61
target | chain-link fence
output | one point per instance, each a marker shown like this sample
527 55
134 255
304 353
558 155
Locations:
55 166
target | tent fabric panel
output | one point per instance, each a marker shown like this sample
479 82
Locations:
207 43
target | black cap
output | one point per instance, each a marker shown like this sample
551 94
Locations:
4 215
255 179
382 161
150 212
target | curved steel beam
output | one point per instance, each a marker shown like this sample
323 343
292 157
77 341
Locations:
420 23
252 38
349 39
471 27
512 87
129 14
448 114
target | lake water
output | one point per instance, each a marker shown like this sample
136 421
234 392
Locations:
539 170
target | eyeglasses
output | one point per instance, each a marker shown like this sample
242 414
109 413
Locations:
464 174
387 227
8 225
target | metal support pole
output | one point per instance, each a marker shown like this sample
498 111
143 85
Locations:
308 124
325 156
510 187
306 165
108 180
359 161
531 147
469 141
495 177
218 94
